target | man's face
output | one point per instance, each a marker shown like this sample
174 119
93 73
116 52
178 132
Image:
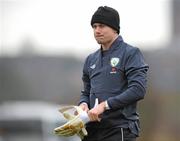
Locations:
103 33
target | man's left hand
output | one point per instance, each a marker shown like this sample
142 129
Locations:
94 113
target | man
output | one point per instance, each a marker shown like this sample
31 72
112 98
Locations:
116 76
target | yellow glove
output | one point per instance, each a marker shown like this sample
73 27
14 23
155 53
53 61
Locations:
76 122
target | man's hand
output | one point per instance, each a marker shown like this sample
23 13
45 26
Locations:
84 107
94 113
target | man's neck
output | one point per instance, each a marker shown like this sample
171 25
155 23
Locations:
109 44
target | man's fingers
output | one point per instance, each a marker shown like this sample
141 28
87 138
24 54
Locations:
84 107
94 115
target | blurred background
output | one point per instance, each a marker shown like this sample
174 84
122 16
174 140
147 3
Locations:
43 44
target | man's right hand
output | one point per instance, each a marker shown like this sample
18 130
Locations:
84 107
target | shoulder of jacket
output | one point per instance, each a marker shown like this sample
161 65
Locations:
131 49
92 55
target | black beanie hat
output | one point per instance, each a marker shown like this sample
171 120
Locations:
108 16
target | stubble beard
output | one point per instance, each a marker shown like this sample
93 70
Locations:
99 41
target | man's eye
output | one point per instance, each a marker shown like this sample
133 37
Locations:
94 26
102 25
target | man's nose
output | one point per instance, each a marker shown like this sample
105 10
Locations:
97 30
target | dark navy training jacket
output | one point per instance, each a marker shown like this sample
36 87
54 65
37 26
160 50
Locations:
119 76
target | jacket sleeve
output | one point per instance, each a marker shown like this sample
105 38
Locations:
136 75
86 84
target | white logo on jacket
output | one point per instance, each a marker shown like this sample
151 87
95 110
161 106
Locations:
114 61
93 66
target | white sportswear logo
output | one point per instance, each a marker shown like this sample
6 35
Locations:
93 66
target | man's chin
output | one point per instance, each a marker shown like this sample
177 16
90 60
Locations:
99 42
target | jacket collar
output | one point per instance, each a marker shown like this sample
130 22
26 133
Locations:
115 44
113 47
